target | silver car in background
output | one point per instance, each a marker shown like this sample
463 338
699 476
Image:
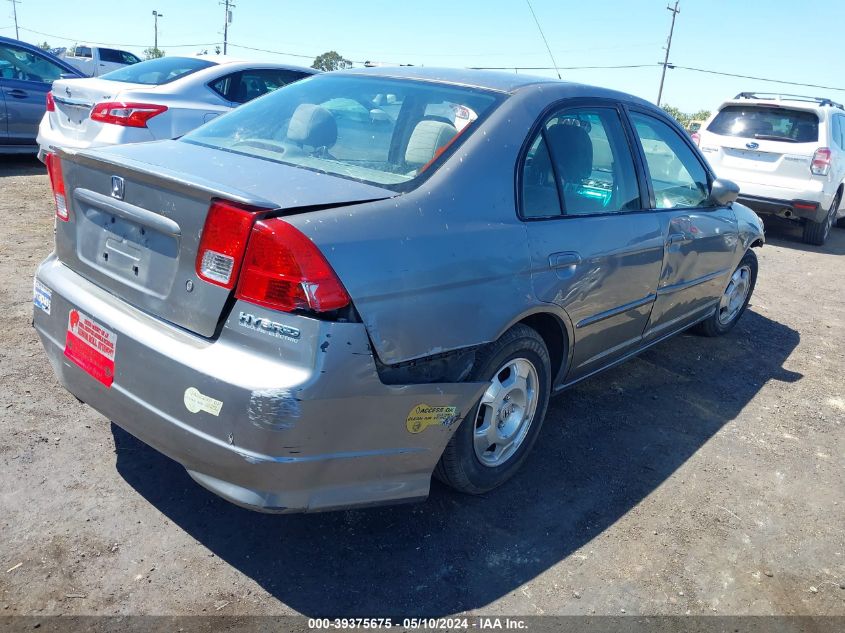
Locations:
152 100
312 303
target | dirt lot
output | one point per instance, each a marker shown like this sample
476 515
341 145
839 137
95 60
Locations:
707 476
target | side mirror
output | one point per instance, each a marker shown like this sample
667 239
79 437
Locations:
723 192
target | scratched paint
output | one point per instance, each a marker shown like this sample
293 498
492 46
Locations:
274 408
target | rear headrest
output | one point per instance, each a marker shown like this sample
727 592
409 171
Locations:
312 125
426 139
573 151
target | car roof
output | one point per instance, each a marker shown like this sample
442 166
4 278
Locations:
485 79
227 60
497 81
811 104
35 49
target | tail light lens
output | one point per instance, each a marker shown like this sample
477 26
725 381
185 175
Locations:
821 162
284 270
57 182
223 242
51 105
696 138
126 114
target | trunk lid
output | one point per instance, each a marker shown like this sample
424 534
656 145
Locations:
142 246
75 98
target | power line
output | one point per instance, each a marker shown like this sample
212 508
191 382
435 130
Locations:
675 13
775 81
70 39
545 41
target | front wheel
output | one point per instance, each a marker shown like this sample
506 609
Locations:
734 299
495 437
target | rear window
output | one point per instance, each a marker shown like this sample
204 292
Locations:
387 132
154 72
766 122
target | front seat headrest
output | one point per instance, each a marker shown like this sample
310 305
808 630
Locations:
573 151
428 137
312 125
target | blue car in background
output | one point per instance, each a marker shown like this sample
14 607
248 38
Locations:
26 76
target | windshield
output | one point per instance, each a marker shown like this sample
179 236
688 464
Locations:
767 122
154 72
386 132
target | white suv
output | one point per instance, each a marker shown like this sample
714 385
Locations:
786 153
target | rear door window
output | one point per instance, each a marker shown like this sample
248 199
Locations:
678 178
249 84
580 164
766 122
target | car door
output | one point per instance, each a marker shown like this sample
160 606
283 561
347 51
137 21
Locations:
4 131
596 251
700 237
25 84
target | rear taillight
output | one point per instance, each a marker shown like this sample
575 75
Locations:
821 162
696 138
51 105
223 242
126 114
57 182
284 270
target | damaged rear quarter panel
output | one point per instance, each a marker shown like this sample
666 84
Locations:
447 265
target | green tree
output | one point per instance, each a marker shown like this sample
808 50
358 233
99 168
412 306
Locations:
681 117
153 53
44 46
685 118
332 60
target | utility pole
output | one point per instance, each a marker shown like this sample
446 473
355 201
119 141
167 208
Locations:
156 16
227 20
15 4
675 12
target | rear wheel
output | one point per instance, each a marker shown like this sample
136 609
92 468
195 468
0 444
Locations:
734 299
816 232
495 437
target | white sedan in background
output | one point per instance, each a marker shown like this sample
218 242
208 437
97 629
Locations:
157 99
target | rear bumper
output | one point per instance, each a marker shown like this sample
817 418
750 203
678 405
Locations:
795 209
305 424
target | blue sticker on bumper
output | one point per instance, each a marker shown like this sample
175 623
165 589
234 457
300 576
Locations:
41 296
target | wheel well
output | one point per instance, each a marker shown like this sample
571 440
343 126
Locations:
757 243
554 336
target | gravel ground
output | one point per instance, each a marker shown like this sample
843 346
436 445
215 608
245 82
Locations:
704 477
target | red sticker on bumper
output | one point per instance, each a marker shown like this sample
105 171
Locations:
91 346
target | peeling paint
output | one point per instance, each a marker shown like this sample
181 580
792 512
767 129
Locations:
274 408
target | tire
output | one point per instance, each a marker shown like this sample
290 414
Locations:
725 317
816 233
461 466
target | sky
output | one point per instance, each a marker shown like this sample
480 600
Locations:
786 40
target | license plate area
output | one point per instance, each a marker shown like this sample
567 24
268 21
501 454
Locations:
137 255
91 346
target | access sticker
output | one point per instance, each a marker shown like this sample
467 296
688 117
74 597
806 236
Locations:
41 296
195 401
423 416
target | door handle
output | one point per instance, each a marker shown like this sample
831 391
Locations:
17 93
564 260
677 238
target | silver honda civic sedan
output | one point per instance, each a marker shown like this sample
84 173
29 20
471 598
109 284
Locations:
368 277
